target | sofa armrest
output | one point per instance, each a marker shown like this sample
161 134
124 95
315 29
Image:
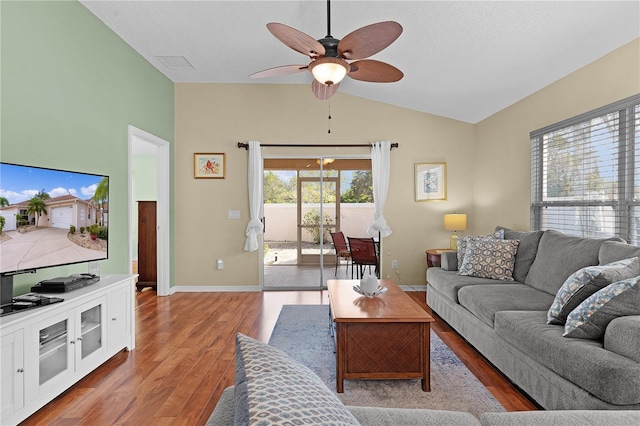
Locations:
622 336
378 416
224 413
562 417
449 261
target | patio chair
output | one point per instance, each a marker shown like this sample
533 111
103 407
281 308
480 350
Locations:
363 253
342 251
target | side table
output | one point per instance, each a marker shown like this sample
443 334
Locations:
434 256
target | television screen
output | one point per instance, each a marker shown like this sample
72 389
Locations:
51 217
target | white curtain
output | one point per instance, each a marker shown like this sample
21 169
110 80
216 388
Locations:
254 227
380 170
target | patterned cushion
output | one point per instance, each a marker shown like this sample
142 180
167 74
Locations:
590 319
587 281
490 258
462 243
273 389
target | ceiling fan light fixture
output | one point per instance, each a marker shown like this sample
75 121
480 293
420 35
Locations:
329 70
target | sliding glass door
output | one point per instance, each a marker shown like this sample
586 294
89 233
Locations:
304 201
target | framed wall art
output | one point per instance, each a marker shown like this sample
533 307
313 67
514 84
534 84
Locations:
431 181
208 166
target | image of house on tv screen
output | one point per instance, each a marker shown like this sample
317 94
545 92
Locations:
51 217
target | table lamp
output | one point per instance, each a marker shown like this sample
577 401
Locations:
455 222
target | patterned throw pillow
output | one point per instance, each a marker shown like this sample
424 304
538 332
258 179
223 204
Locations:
273 389
590 319
490 258
587 281
462 243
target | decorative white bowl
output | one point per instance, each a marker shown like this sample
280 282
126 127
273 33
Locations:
378 292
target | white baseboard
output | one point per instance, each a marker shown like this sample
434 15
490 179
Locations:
414 287
212 289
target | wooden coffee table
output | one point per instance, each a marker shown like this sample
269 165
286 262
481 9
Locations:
385 337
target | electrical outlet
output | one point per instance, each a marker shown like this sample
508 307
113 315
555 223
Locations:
394 264
220 264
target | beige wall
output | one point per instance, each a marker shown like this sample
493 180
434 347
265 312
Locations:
501 186
214 117
487 163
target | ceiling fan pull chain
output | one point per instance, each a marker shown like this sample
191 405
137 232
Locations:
329 119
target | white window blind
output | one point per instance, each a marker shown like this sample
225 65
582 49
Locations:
585 173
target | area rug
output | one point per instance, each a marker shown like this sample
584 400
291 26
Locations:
302 331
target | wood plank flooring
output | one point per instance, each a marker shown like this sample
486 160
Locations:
184 358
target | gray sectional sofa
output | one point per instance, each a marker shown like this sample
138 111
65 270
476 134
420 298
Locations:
507 321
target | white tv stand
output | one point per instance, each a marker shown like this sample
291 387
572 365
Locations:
45 351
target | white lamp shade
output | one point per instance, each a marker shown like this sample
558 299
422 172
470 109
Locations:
455 222
329 70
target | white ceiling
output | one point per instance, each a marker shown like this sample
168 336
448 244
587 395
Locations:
463 60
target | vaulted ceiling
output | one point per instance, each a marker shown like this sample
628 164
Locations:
462 59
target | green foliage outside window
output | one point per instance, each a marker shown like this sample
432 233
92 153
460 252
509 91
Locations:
312 217
359 189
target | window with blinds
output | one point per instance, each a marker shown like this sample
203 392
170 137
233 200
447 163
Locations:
585 173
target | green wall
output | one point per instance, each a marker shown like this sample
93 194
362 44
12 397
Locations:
69 89
143 188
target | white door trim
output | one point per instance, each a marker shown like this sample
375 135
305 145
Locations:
162 203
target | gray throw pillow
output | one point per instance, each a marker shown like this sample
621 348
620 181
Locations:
490 258
462 243
527 250
273 389
587 281
590 319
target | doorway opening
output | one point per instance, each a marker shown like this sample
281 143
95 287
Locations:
305 199
149 155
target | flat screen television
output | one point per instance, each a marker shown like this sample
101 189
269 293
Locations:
51 218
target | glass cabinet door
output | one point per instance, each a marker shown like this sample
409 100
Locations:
90 334
54 353
90 339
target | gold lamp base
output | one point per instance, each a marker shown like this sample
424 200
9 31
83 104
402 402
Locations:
453 241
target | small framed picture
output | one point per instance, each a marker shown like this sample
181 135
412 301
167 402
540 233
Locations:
431 181
208 166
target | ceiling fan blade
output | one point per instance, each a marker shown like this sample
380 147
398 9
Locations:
369 40
374 71
277 71
322 91
297 40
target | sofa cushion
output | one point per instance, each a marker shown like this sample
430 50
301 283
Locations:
585 282
622 336
462 243
272 388
591 317
527 250
607 375
484 301
449 282
559 256
612 251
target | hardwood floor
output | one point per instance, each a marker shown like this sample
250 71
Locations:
184 358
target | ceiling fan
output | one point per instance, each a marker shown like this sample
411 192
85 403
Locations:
330 57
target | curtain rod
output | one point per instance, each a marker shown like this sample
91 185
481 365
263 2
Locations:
246 145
